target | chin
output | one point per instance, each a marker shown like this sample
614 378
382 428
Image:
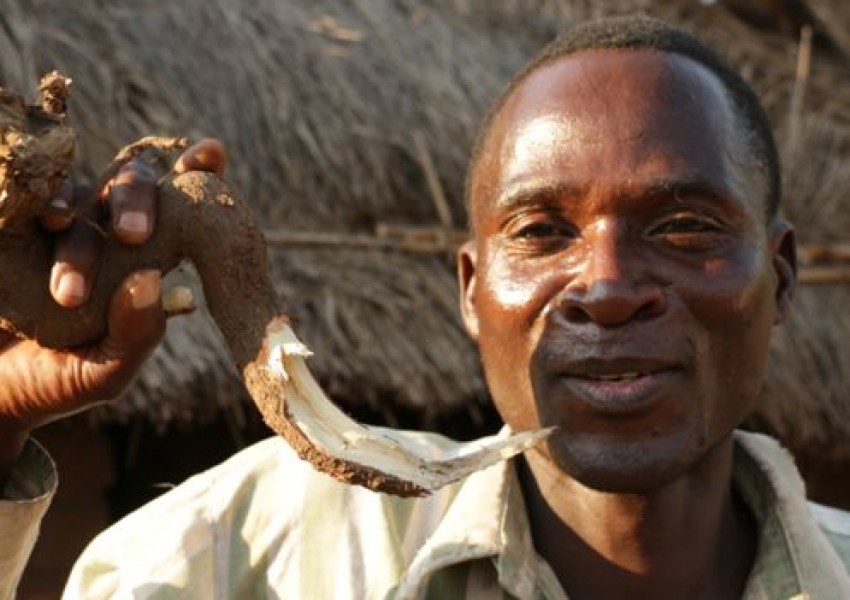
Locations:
624 467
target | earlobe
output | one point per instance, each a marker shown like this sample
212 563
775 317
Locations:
784 249
466 274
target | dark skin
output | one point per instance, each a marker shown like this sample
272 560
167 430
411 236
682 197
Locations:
39 385
622 284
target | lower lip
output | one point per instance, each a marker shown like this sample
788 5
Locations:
620 397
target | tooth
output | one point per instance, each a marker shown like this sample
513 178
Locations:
619 377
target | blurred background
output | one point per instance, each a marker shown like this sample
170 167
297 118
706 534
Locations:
349 123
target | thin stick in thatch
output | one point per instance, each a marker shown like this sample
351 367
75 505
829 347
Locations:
804 63
834 18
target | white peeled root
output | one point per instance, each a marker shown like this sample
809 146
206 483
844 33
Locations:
332 432
36 149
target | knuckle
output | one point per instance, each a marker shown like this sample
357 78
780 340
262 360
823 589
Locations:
135 174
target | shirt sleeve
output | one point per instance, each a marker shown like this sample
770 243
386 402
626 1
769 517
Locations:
23 502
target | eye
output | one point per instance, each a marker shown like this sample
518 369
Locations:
692 231
684 225
540 229
538 233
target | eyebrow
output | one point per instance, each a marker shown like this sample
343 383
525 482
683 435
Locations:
531 193
691 187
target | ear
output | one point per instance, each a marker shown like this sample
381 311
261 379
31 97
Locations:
783 246
466 275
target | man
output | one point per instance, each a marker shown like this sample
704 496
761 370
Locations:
626 268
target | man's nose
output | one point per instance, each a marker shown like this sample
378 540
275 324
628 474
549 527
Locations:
613 284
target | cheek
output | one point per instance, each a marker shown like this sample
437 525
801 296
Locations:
511 305
733 308
729 294
513 295
511 289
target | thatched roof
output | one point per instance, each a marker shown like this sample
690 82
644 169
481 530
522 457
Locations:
346 119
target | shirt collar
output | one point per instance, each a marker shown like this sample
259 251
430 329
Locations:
488 518
470 529
794 558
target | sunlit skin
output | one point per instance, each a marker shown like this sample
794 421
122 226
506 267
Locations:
622 284
39 385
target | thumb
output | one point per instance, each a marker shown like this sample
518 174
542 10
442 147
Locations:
136 325
39 385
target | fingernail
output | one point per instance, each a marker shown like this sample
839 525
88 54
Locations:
133 222
145 290
71 288
178 301
61 199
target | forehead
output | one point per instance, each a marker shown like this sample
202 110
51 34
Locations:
615 118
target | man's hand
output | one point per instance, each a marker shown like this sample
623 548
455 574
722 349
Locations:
39 385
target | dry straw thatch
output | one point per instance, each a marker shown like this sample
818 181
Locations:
348 119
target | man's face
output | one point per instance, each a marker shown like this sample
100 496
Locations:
623 278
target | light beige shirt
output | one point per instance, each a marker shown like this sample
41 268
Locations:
265 525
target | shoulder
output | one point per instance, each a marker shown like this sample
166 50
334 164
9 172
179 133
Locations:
835 524
268 473
179 534
263 501
268 470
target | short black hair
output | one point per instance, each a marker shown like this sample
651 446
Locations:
639 32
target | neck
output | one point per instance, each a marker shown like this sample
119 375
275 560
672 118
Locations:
690 539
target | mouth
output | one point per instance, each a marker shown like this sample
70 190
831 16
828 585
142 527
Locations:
619 377
620 387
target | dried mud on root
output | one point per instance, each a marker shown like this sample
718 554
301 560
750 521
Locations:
200 220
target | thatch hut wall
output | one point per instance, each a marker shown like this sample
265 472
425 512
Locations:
346 118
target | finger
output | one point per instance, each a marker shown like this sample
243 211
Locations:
132 201
136 325
207 155
60 213
136 317
77 252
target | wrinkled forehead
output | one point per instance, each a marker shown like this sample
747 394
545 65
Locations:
605 102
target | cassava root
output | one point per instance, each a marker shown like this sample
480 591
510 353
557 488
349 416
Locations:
199 219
